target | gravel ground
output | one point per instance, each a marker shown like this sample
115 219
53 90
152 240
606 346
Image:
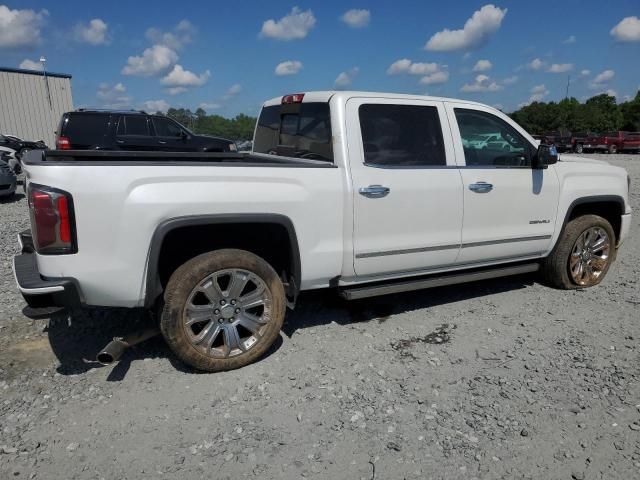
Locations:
501 379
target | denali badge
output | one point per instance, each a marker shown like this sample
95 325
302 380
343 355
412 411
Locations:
533 222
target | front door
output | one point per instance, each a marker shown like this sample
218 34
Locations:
407 192
509 208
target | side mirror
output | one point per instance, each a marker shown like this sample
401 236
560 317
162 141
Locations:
545 156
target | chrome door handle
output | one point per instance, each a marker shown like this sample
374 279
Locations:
162 142
120 142
374 191
481 187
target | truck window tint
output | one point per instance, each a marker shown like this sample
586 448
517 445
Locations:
401 135
299 130
135 125
166 128
86 128
489 141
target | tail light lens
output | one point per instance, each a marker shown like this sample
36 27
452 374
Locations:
52 220
63 143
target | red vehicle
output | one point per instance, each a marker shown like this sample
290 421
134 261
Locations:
613 142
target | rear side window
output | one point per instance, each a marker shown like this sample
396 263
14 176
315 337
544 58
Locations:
86 128
301 130
133 125
401 135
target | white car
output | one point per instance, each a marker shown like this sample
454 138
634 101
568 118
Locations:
364 193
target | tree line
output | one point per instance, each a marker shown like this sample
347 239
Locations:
238 128
598 114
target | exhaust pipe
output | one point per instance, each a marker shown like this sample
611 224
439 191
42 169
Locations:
115 348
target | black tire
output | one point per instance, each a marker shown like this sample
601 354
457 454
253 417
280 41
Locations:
612 149
556 270
180 290
578 148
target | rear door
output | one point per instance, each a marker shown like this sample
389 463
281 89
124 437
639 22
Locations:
509 208
134 133
169 136
407 191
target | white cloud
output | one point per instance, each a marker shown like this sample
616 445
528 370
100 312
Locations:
176 90
435 78
181 35
94 33
356 18
600 80
611 92
569 40
482 83
30 65
560 68
406 66
294 26
346 78
482 66
210 106
585 72
538 93
113 96
510 80
628 30
154 60
233 90
179 77
476 31
20 28
535 64
156 106
498 106
290 67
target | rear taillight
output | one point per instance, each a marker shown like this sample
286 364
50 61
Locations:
63 143
293 98
52 220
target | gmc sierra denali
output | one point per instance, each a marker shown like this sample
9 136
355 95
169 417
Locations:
365 193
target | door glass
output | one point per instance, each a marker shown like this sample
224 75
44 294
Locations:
166 128
401 135
136 125
490 141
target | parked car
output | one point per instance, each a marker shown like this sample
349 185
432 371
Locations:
132 131
613 142
7 180
21 146
8 155
363 193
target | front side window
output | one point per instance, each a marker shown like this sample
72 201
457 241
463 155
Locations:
401 135
133 125
166 128
301 130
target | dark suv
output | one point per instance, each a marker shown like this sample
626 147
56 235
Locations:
132 130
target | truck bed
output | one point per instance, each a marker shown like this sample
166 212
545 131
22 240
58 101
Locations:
139 158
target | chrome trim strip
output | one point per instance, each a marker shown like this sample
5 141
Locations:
449 247
407 250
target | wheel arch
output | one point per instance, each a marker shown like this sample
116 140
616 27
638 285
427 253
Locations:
610 207
173 229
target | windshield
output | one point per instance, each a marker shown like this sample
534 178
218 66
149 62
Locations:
301 130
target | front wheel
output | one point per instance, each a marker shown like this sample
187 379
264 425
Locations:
613 149
222 310
583 254
578 148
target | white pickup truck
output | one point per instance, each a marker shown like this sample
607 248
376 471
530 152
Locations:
365 193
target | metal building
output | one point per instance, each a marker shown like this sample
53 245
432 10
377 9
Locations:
32 102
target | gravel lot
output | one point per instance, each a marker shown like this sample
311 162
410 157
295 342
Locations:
502 379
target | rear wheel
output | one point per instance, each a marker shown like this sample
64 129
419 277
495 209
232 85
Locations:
578 148
613 149
223 310
583 254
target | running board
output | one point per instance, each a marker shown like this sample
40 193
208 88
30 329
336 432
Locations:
356 293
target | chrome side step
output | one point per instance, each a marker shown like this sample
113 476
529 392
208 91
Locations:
365 291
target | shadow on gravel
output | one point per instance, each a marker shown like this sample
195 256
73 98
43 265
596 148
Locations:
76 338
16 197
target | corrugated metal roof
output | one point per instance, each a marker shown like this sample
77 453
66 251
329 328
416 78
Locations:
34 72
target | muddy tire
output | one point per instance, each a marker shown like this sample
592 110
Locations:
583 254
222 310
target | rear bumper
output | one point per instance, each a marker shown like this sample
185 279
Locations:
38 291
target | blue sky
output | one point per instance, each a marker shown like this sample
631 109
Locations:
230 56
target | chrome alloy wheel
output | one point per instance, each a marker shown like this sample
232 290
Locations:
590 256
227 313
